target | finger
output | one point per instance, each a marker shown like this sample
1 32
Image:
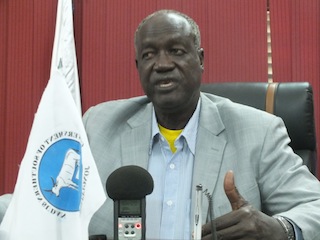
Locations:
207 228
235 199
232 232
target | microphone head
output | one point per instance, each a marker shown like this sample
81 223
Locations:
129 182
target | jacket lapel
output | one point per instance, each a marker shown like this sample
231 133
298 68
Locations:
209 151
135 141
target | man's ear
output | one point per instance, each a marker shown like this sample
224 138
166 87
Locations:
201 57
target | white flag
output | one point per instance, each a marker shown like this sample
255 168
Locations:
58 187
64 50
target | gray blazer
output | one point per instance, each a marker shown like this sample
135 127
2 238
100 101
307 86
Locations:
252 143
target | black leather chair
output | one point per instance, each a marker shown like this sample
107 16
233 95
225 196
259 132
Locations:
293 102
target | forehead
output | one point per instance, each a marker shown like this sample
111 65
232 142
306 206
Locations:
166 25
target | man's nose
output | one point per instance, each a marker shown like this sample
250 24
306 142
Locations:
163 62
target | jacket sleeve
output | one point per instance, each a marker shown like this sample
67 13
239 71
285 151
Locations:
287 187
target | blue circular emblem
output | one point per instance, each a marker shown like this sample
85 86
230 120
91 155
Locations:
60 175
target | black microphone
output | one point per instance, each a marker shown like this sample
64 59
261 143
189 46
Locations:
128 187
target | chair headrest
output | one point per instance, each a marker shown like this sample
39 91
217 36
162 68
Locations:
293 102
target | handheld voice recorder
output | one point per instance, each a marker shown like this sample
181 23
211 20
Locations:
128 187
130 219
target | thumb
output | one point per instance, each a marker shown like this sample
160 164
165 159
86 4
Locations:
235 199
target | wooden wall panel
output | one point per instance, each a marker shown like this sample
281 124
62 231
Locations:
295 36
28 30
3 87
237 41
18 113
233 36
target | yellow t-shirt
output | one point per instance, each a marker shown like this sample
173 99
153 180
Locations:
170 135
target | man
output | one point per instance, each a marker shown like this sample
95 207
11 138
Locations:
185 138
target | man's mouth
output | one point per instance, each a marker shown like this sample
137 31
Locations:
166 84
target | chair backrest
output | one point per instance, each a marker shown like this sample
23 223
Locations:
293 102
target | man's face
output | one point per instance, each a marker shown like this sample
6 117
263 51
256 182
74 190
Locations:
169 65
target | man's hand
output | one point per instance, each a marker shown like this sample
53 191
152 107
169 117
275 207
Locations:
244 222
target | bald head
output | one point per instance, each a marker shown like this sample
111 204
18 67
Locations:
178 18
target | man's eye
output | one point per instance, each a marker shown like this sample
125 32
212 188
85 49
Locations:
177 51
147 55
